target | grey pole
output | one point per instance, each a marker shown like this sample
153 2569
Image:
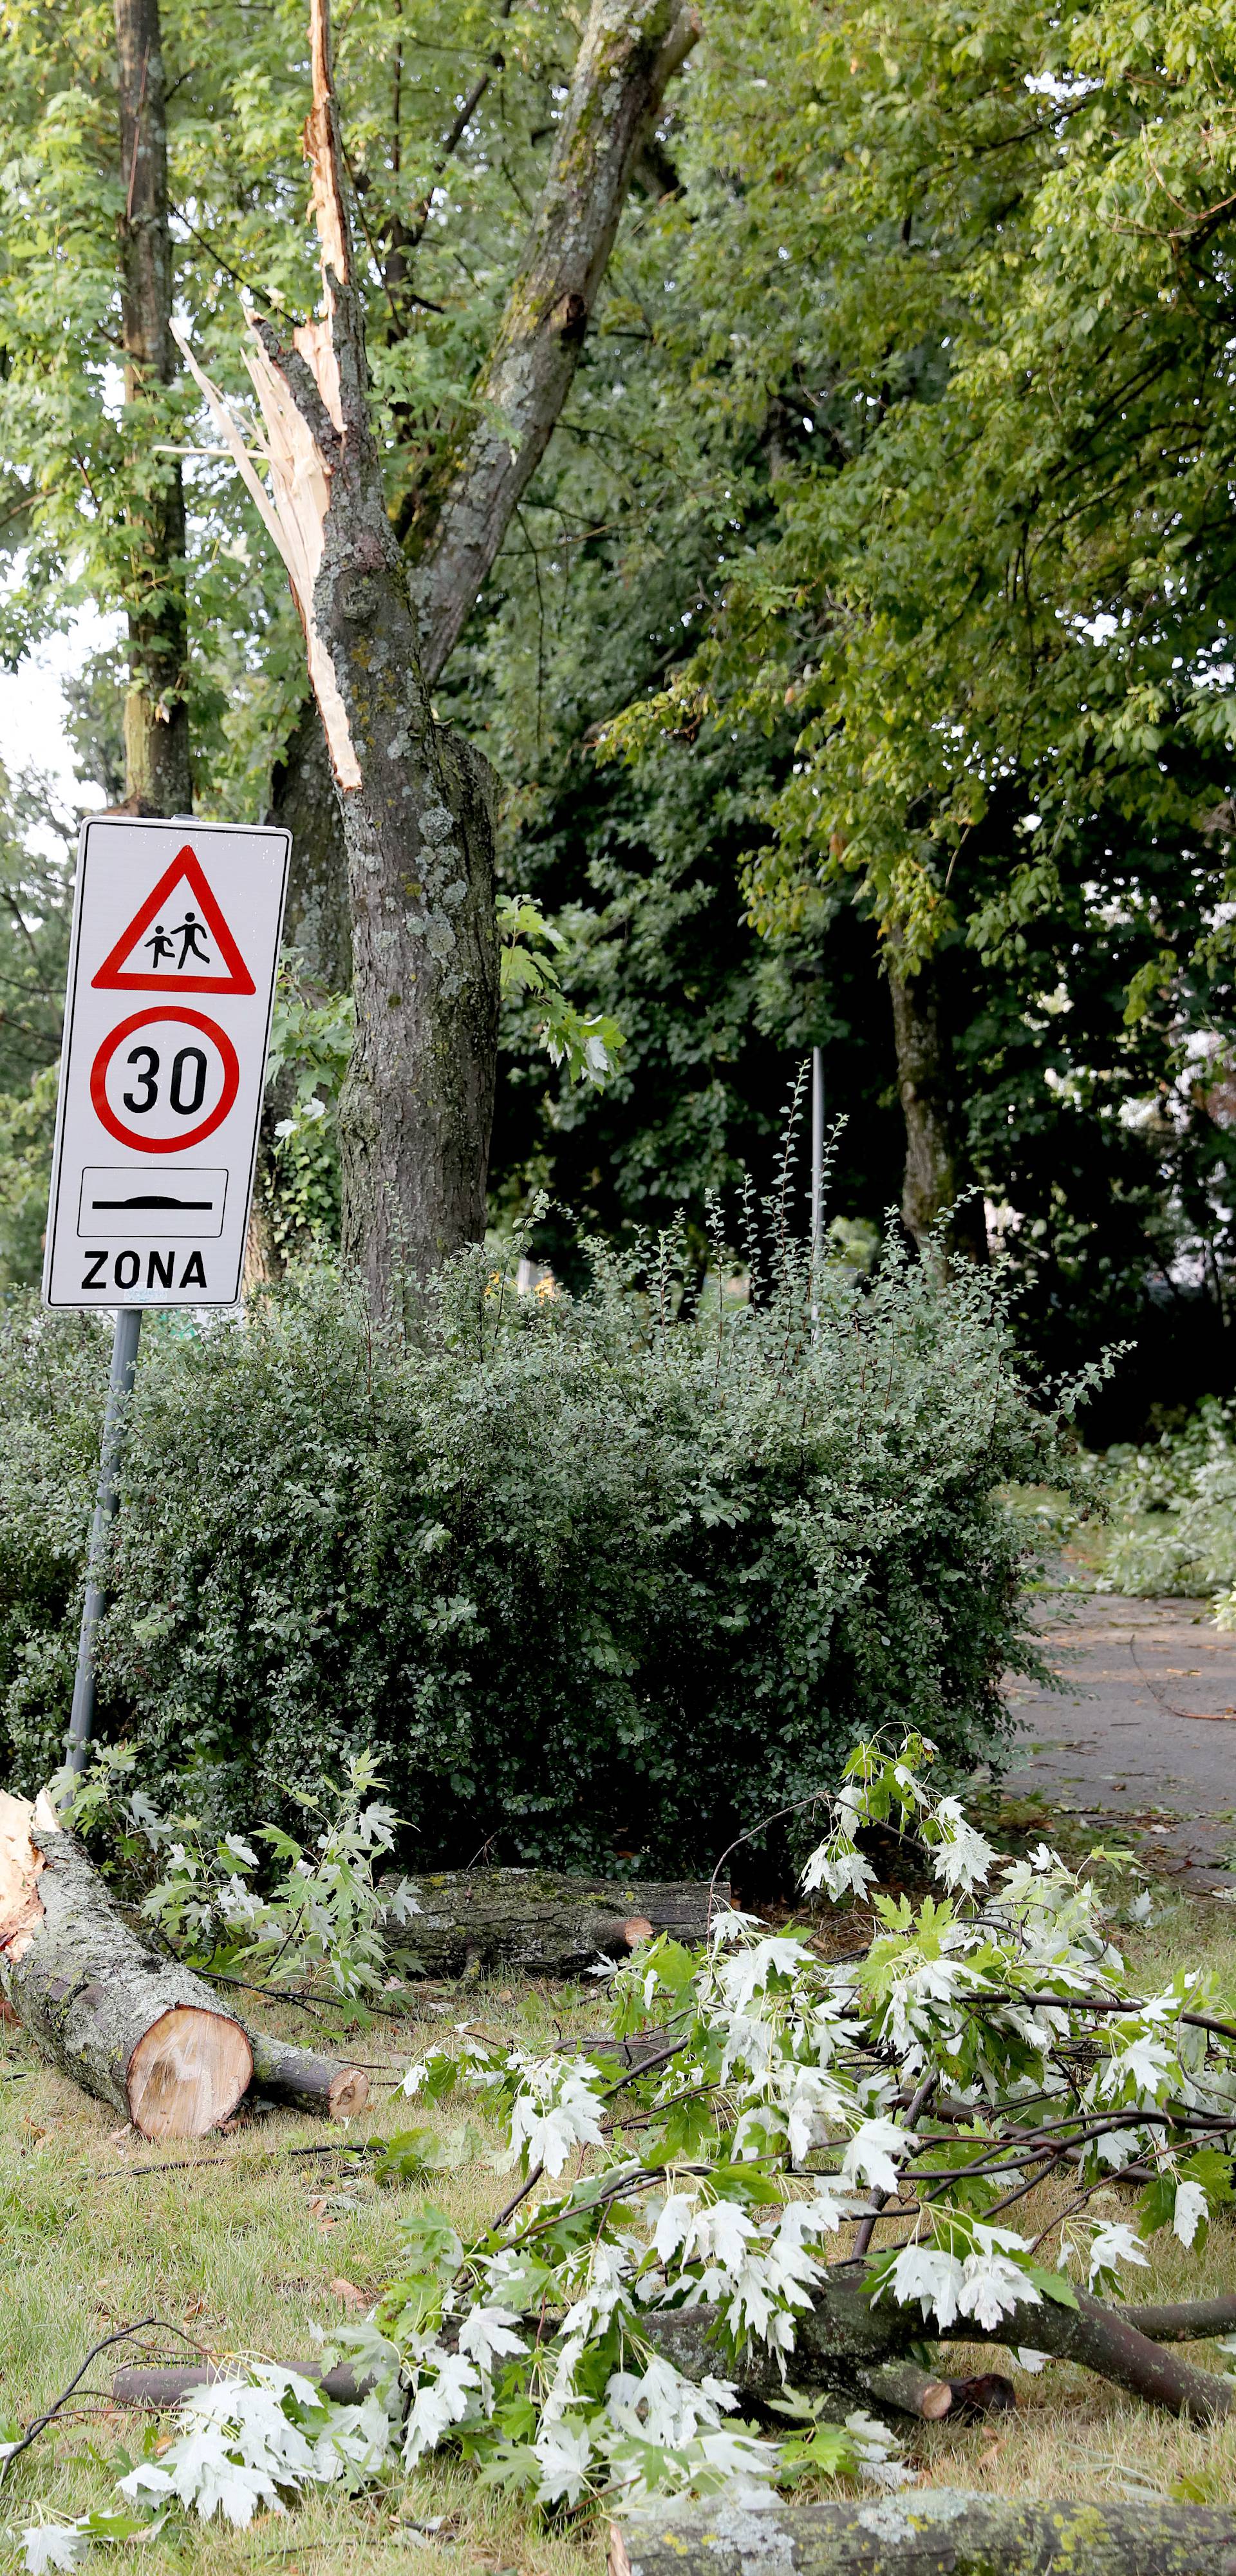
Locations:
817 1152
120 1387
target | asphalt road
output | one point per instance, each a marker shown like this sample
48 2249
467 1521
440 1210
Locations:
1147 1732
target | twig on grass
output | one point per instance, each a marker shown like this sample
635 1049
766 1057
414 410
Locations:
123 2334
203 2164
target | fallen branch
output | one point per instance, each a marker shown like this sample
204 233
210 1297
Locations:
844 2338
543 1923
847 2348
934 2531
141 2325
1189 2321
168 2384
1103 2340
307 2082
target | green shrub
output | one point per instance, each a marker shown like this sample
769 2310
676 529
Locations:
588 1580
1173 1513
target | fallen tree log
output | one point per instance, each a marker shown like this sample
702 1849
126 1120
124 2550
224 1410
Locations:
134 2028
305 2081
129 2024
544 1923
931 2531
158 2385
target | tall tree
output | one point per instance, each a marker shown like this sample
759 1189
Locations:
459 493
416 801
156 716
976 309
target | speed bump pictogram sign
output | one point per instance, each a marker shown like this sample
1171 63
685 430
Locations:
171 984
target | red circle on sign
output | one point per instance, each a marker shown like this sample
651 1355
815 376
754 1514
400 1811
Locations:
196 1135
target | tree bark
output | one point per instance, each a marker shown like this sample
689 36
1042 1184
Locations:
132 2027
156 716
416 1110
550 1926
926 1084
157 2385
1186 2321
932 2531
318 920
629 51
307 2082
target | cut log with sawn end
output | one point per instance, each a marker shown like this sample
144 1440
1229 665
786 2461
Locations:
919 2531
129 2024
305 2081
544 1922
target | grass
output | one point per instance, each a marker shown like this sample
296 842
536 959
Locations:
239 2247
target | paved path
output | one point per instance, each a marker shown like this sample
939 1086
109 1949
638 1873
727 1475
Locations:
1147 1733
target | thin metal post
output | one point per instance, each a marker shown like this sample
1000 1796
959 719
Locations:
817 1152
120 1387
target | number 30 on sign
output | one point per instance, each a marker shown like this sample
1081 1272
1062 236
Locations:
171 983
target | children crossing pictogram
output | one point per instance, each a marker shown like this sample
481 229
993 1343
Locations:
178 940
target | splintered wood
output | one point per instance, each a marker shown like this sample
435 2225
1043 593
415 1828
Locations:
294 502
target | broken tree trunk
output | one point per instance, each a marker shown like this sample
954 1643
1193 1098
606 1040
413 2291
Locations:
933 2531
417 1107
550 1925
455 509
307 2082
132 2027
416 1110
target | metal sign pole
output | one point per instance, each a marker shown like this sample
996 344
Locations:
817 1152
119 1389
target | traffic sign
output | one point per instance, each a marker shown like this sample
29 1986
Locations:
160 1099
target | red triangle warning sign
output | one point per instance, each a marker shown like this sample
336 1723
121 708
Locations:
178 942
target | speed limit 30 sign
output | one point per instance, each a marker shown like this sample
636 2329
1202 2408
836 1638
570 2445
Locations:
171 984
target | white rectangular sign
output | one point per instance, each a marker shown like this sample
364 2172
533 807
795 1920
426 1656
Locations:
167 1022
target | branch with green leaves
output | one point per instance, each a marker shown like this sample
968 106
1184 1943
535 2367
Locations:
587 1044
